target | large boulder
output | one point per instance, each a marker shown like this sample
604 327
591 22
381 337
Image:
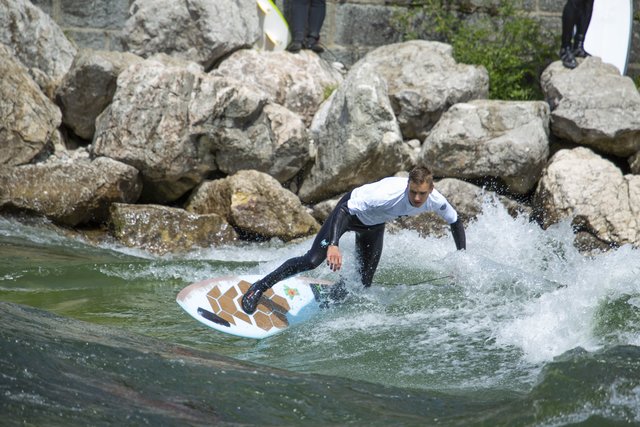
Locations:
28 119
177 124
88 88
423 81
35 38
256 204
265 137
299 82
197 30
503 139
161 229
593 105
358 140
73 192
593 193
148 126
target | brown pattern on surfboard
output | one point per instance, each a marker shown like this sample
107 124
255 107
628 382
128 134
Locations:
270 313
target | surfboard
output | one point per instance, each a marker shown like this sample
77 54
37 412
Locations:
217 304
275 30
610 31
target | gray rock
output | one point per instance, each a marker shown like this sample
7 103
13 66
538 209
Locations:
592 192
28 119
360 140
423 81
35 38
265 137
150 125
88 88
197 30
255 203
69 192
300 82
505 139
161 229
593 105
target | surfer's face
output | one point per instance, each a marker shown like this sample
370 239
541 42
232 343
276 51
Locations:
418 193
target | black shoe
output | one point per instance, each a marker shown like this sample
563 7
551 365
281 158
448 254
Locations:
251 298
295 46
313 43
568 60
578 47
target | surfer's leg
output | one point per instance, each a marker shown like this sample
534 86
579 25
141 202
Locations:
299 14
312 259
369 247
585 10
317 13
569 21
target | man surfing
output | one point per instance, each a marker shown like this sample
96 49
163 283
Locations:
365 210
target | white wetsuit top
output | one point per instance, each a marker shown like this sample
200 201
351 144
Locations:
388 199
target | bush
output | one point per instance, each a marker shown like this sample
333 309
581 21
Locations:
512 46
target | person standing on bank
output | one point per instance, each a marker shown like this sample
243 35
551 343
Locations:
575 15
307 17
365 210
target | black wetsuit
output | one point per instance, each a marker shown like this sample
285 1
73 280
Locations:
369 239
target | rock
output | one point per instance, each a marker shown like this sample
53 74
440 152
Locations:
300 82
28 119
71 192
504 139
593 105
360 140
34 38
423 81
268 138
634 163
88 88
592 192
256 204
177 124
149 125
197 30
161 229
321 211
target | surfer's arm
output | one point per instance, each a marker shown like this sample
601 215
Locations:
457 230
338 226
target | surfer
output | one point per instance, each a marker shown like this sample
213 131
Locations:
365 210
306 21
575 15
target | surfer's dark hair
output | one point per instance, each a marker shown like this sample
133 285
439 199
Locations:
420 175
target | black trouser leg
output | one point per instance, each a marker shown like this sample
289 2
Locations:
569 21
299 15
585 8
317 12
369 249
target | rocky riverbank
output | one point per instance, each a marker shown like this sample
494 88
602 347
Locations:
193 138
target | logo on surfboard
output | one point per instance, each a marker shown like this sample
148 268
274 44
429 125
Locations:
291 292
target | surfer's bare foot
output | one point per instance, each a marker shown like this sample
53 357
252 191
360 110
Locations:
251 298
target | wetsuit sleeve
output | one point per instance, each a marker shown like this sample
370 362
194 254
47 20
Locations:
457 230
339 224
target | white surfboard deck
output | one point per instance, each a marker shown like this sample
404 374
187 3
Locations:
275 30
609 33
217 304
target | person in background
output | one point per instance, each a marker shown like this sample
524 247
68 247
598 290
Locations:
364 210
307 17
576 16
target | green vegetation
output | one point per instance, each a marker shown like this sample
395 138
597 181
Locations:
512 46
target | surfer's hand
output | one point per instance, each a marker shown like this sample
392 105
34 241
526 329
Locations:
334 258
